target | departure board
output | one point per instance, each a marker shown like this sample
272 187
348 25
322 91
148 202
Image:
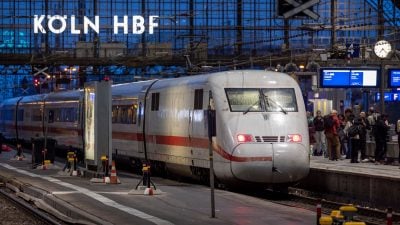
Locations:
394 77
348 77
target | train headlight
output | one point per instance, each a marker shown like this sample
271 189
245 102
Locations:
244 138
294 138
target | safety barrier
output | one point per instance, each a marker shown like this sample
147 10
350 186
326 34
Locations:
345 215
147 185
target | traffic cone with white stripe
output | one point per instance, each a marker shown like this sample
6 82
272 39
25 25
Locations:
113 176
148 191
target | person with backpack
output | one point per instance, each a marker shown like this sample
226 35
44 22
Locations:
331 123
353 131
397 130
320 139
365 127
380 132
349 121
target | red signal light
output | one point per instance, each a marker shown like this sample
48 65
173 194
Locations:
294 138
36 82
244 138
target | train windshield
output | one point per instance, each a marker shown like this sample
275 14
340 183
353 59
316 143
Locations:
261 100
279 99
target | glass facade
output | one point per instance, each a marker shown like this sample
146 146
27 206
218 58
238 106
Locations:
224 27
214 33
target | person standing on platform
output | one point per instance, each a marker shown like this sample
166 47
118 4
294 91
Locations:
320 139
397 129
342 136
352 130
349 116
311 130
332 124
380 133
372 117
363 136
1 142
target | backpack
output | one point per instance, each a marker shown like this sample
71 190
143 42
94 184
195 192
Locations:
328 122
353 131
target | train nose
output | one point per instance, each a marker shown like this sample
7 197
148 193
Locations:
291 162
270 163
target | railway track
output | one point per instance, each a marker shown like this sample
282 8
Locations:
24 210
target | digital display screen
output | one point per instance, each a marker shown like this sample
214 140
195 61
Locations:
348 77
389 96
394 77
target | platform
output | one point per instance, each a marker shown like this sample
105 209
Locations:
178 203
364 184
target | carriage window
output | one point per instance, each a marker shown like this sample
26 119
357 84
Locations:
20 115
155 101
198 99
51 116
36 115
114 114
124 114
278 99
7 114
244 99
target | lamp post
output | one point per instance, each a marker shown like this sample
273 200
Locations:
382 88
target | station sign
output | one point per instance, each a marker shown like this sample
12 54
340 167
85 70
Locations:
389 96
349 77
394 78
57 24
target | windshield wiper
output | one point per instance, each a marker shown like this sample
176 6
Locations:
268 99
251 106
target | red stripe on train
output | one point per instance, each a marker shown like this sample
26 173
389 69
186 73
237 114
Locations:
162 140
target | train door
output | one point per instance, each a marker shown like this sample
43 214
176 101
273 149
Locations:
19 117
197 118
143 105
140 131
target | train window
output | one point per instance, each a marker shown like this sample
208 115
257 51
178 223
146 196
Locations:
155 101
244 99
124 114
20 115
114 114
280 99
198 99
36 115
262 100
132 114
51 116
8 114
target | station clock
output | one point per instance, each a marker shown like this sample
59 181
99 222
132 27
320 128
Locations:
382 49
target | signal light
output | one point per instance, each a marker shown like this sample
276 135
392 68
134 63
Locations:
36 82
294 138
244 138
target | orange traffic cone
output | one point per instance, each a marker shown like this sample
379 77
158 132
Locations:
113 176
148 191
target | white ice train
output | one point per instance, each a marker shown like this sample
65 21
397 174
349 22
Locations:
261 129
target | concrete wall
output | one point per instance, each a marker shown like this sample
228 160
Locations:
367 190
